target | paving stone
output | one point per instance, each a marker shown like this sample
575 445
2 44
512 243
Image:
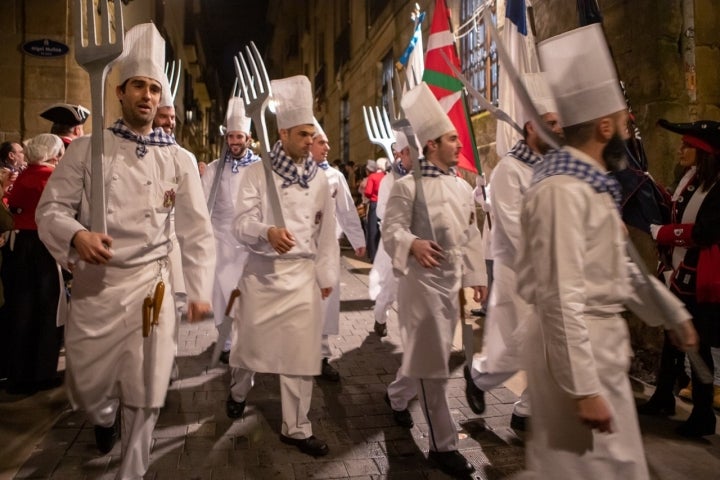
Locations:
41 463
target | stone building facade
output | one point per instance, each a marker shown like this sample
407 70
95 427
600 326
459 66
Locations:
667 52
649 40
28 84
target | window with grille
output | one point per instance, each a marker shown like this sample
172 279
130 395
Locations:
478 54
345 128
388 67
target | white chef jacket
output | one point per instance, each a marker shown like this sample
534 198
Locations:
573 268
106 353
279 327
381 275
507 313
231 254
428 299
347 221
346 214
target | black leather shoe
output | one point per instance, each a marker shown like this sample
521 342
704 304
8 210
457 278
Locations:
518 423
478 312
328 372
475 396
380 329
453 463
234 409
698 425
402 417
105 437
225 357
658 406
309 446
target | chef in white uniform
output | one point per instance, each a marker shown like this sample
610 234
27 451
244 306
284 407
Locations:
382 283
431 273
110 365
231 254
573 268
290 270
348 223
505 323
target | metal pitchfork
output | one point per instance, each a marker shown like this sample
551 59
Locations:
221 160
256 94
95 58
173 76
379 131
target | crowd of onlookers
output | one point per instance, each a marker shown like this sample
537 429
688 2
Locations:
30 279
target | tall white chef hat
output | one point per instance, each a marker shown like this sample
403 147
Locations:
401 141
235 119
540 94
318 129
582 75
143 54
293 101
425 114
166 97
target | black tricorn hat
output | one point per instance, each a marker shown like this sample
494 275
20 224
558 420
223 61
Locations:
66 114
704 134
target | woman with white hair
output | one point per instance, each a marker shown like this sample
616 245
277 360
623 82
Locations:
31 279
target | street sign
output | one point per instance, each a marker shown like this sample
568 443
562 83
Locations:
45 47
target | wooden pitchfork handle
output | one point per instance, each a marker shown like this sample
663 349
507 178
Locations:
233 296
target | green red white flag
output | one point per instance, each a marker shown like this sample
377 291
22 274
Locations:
446 88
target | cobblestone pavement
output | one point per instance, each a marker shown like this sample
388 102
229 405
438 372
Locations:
195 440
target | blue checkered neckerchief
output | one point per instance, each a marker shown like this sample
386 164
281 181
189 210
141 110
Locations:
157 137
522 152
429 170
237 163
399 168
284 166
324 165
561 162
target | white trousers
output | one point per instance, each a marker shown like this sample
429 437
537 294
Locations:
137 425
331 318
487 381
295 397
386 297
433 400
325 350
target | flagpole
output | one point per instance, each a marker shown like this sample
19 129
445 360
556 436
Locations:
417 17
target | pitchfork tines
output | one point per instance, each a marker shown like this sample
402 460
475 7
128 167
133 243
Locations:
379 130
256 93
255 86
172 72
94 53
